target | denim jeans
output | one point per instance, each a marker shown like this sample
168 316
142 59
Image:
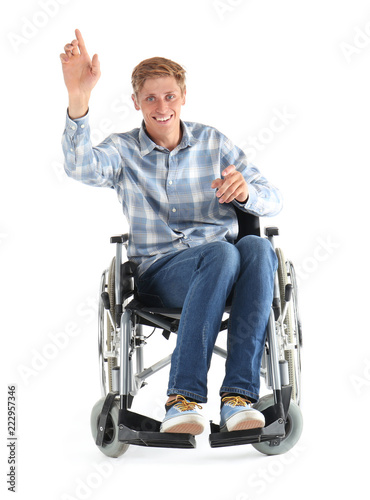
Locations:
200 280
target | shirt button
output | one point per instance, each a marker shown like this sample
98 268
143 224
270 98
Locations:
73 127
72 150
82 126
174 210
170 182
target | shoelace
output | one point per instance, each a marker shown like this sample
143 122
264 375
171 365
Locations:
235 401
185 405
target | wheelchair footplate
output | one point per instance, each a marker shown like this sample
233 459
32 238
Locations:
274 430
141 430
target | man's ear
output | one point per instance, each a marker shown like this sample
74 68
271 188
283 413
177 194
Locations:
137 107
184 97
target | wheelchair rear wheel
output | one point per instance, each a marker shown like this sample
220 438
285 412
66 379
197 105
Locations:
108 353
111 446
292 338
112 361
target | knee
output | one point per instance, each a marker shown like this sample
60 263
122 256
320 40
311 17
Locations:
223 256
257 249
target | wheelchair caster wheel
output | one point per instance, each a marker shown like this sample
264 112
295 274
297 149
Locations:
293 428
111 446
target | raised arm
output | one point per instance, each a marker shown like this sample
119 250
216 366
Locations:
81 74
96 166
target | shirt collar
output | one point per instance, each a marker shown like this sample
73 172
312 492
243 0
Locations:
147 145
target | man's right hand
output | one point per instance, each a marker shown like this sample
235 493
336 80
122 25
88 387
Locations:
81 74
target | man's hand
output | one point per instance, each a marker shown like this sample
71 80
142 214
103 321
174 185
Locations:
81 74
232 187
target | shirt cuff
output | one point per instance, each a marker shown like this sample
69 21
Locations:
251 201
76 125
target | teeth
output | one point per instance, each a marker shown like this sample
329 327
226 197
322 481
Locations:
163 119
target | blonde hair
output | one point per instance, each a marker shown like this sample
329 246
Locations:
157 67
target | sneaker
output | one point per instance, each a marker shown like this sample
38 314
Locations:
181 417
237 414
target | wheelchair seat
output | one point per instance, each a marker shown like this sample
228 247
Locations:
248 225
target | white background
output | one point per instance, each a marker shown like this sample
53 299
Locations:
246 61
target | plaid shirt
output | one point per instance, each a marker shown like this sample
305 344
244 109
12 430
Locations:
165 195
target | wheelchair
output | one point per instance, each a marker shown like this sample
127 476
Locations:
121 342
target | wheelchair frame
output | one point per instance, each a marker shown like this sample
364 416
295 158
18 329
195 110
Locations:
120 335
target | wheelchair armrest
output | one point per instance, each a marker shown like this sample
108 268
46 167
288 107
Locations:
271 231
122 238
128 268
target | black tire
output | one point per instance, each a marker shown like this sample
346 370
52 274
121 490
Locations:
111 447
293 427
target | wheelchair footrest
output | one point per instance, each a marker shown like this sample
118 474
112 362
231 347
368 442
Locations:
273 432
141 430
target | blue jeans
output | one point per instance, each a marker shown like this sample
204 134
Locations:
200 280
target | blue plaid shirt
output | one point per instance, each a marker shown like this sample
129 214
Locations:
165 195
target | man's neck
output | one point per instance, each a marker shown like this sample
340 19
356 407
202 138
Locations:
168 141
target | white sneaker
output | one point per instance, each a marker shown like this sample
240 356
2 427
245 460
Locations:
237 414
181 417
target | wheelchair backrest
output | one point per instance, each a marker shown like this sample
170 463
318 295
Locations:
248 224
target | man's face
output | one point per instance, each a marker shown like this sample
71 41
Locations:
160 101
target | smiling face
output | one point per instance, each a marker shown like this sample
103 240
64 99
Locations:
160 101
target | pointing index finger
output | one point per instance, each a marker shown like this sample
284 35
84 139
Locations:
228 170
81 42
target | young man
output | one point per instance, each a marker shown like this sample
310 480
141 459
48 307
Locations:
179 183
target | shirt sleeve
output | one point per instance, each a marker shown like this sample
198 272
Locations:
264 200
96 166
